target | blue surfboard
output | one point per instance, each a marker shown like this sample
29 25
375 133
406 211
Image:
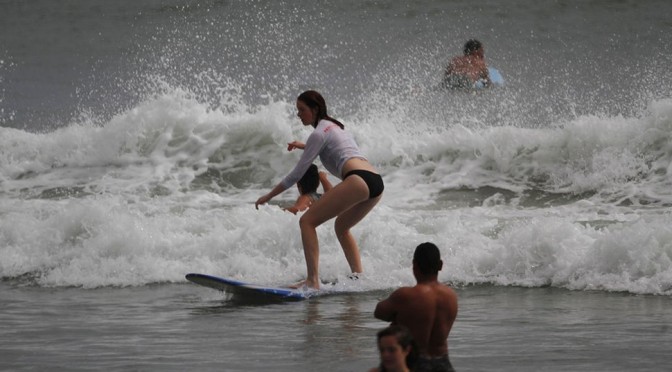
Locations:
249 289
495 77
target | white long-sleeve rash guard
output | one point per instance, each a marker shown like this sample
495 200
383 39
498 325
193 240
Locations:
334 146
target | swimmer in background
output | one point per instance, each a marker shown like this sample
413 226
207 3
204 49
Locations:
307 186
464 71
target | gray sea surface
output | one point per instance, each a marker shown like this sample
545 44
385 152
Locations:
181 327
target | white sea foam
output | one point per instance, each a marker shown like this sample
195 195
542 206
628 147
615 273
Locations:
168 187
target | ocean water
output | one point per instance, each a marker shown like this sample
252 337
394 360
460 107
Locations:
136 136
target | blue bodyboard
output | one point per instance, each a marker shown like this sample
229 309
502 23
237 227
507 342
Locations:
248 289
495 77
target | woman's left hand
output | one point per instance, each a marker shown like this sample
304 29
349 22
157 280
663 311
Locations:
295 145
263 200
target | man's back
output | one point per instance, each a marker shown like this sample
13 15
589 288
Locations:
428 310
469 66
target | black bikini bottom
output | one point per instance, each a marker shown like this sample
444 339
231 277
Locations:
373 181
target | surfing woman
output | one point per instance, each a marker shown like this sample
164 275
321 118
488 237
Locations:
349 201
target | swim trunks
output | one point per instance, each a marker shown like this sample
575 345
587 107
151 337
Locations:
373 181
433 364
457 81
314 196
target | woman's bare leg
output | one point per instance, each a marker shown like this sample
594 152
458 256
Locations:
344 222
311 252
342 197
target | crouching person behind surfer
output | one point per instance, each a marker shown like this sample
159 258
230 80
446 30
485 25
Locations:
307 186
349 201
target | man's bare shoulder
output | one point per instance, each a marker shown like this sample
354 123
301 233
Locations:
446 290
436 290
445 287
402 293
424 290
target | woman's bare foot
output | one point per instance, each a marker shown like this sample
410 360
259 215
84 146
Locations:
304 283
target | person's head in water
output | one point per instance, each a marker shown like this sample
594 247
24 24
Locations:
310 180
427 259
473 47
312 108
397 348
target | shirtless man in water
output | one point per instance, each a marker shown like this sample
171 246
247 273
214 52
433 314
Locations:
428 310
463 71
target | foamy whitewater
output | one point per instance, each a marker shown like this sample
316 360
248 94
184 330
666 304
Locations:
168 187
136 137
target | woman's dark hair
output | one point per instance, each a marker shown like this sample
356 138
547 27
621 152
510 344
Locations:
310 180
314 100
471 46
404 338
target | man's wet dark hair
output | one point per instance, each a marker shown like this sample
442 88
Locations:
427 258
471 46
310 180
